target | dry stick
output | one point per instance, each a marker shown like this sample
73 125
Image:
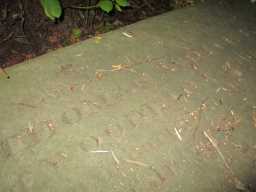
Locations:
178 134
107 151
199 117
115 158
84 7
99 151
214 144
139 163
239 185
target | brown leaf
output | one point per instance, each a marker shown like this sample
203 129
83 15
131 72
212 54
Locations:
99 75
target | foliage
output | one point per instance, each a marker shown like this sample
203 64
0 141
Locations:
76 32
53 9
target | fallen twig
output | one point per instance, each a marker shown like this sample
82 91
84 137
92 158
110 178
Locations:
115 157
118 67
139 163
127 34
99 151
178 134
214 144
238 183
107 151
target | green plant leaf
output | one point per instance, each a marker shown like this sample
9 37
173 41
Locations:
123 3
118 8
52 8
76 32
106 5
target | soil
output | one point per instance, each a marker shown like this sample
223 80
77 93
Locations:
25 31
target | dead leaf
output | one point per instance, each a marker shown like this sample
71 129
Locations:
99 75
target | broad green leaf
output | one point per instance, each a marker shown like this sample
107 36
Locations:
106 5
52 8
118 8
123 3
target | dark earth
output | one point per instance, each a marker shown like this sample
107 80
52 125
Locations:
25 31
